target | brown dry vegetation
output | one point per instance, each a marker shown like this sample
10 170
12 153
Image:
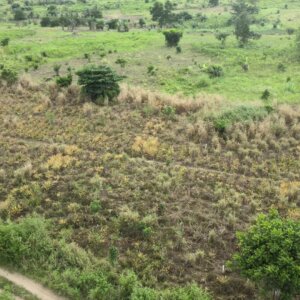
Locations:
171 190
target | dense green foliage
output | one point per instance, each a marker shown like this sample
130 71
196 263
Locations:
173 37
8 75
28 245
99 83
240 114
242 18
269 254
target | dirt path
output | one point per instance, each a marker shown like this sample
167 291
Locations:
31 286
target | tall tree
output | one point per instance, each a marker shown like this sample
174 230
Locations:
243 16
162 13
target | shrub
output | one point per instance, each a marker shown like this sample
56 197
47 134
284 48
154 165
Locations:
213 3
290 31
56 69
128 282
113 24
269 254
281 67
24 242
178 49
4 42
239 114
169 111
64 81
215 71
189 292
172 37
122 62
222 36
113 255
95 206
266 95
142 22
99 83
151 70
9 76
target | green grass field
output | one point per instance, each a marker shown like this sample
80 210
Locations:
175 73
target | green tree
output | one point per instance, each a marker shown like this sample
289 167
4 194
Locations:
269 255
19 14
242 19
162 13
173 37
99 83
213 3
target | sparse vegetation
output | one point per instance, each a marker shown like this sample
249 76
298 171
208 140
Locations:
143 199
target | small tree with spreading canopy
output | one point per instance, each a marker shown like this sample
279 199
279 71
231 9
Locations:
99 83
269 255
172 37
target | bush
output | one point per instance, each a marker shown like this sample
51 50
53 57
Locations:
215 71
266 95
29 245
122 62
281 67
9 76
222 36
56 69
239 114
190 292
113 24
269 254
99 83
172 37
24 242
4 42
290 31
64 81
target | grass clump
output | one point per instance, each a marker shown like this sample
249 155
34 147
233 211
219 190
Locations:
240 114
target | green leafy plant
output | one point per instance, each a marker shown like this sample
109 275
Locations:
172 37
56 69
99 83
64 81
95 206
269 255
266 94
239 114
113 254
122 62
169 111
4 42
9 76
215 71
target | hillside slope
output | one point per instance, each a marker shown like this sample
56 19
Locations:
166 181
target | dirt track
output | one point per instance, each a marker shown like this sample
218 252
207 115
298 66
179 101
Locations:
31 286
